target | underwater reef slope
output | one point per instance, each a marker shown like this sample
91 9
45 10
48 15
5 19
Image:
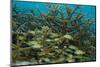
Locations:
48 33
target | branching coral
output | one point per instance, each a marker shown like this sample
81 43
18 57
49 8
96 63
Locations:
48 47
54 37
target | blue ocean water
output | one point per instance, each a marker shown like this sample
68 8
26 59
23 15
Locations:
88 10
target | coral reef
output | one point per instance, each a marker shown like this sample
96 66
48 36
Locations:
52 37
